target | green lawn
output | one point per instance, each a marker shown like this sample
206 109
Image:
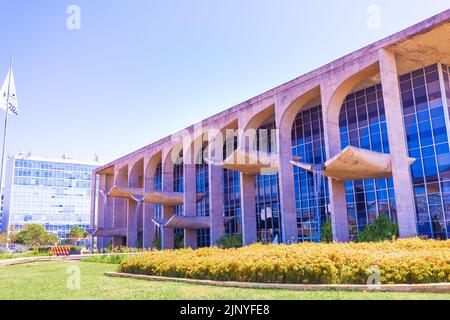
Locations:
47 280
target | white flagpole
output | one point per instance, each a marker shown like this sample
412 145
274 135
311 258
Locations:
5 129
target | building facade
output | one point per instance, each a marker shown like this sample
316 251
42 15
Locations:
363 136
55 193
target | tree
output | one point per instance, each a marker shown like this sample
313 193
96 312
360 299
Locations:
380 230
4 238
34 235
77 233
230 241
327 232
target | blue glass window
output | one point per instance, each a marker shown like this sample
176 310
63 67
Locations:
312 201
202 186
369 198
231 191
428 143
268 217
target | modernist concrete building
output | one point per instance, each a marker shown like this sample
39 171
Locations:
55 193
365 135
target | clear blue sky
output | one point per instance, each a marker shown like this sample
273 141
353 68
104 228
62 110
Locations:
139 70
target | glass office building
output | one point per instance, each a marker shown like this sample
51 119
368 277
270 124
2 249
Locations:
55 193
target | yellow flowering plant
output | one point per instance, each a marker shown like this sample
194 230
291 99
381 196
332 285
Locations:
407 261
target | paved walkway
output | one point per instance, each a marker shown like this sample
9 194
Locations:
8 262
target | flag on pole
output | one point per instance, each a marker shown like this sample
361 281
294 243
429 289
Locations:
10 103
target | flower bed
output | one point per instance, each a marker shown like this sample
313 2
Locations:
410 261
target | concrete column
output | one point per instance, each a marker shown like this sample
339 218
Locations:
217 229
148 231
99 218
445 99
132 223
338 204
108 207
248 209
148 227
338 208
167 234
190 202
404 196
104 209
286 178
120 209
287 192
120 217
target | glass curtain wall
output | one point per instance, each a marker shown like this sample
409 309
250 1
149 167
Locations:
425 123
178 186
268 217
311 195
231 191
202 186
157 186
362 124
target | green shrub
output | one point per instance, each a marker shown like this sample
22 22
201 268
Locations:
157 243
41 250
20 249
327 232
179 240
4 256
107 258
230 241
140 242
380 230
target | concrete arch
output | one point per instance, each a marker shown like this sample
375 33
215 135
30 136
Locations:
257 119
346 87
287 117
219 137
121 177
171 156
248 118
150 170
248 129
192 148
136 175
332 99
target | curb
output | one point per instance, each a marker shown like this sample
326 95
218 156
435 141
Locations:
423 288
